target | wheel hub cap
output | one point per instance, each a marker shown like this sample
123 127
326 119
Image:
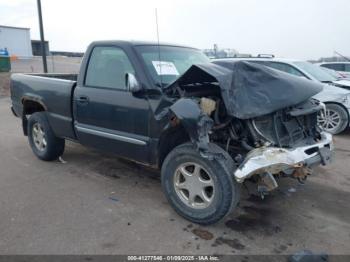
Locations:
39 137
194 185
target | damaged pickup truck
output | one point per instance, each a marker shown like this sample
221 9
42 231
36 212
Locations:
208 127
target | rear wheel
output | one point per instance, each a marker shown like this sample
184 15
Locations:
334 119
199 189
42 140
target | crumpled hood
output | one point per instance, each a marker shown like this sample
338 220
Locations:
248 89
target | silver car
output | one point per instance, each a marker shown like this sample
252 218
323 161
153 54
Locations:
335 119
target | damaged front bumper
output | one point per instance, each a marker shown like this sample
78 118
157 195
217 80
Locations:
274 160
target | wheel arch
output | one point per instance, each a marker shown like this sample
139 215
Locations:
171 138
31 105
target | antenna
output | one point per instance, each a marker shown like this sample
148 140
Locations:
347 59
160 63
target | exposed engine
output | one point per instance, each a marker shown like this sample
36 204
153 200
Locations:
265 120
286 128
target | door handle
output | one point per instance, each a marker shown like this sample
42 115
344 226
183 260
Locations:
82 100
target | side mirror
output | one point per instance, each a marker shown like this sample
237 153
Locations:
131 83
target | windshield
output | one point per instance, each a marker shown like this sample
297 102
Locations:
166 63
316 72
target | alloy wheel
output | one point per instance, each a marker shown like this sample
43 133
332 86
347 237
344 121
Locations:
329 120
39 137
194 185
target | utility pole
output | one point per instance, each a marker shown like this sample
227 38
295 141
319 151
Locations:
42 38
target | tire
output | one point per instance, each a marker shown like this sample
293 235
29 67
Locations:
335 120
225 190
45 145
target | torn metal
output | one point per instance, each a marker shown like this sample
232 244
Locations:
274 160
264 119
195 121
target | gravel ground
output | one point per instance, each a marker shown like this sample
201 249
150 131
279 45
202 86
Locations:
5 84
98 204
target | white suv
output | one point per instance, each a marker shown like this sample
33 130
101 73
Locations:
336 117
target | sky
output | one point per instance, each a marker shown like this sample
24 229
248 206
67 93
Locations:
302 29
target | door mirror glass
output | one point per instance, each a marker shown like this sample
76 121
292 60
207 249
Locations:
131 83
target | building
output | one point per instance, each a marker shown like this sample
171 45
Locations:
66 53
36 47
16 40
220 53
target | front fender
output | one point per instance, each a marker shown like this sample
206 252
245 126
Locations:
196 123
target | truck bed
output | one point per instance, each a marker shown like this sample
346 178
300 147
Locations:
72 77
53 92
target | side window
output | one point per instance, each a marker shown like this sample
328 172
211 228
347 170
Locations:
329 66
347 68
107 68
336 67
286 68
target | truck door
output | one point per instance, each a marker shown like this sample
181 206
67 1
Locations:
107 116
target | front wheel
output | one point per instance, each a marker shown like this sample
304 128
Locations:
334 119
45 145
199 189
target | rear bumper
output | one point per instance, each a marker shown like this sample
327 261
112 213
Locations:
274 160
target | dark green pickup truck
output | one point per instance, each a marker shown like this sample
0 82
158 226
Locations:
207 127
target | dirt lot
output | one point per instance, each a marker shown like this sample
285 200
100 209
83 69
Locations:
5 84
97 204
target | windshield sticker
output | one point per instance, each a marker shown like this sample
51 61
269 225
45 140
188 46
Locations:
165 68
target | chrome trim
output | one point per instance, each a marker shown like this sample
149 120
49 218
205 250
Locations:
111 136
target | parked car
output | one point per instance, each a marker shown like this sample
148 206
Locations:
342 67
337 99
338 76
208 128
